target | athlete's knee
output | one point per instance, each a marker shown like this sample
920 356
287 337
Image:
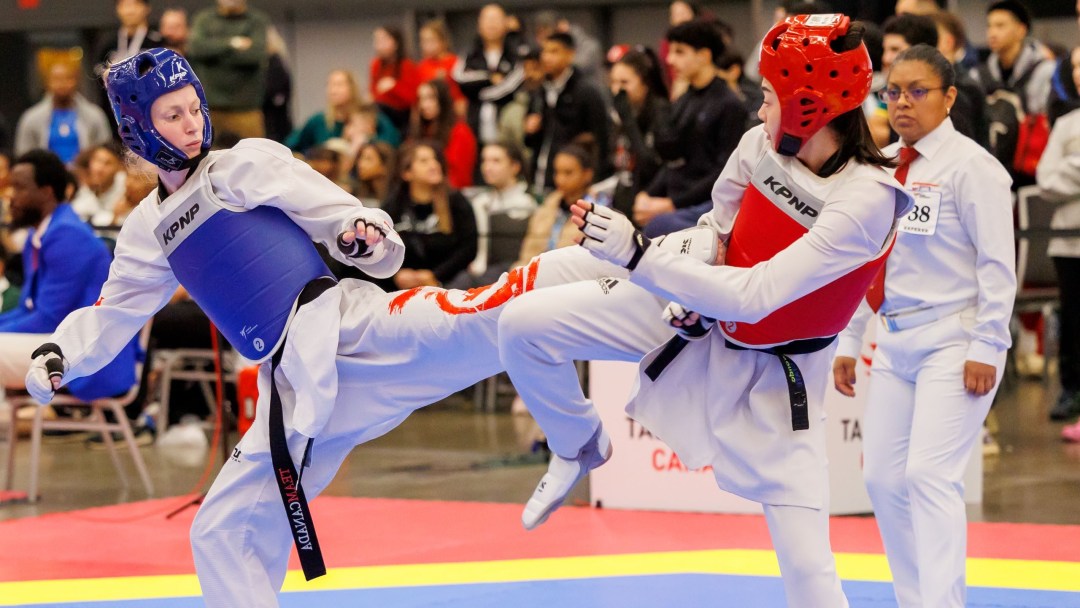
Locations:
882 479
521 324
923 477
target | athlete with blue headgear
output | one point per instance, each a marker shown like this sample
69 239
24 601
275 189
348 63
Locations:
344 362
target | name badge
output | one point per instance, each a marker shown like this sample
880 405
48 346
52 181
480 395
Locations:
922 219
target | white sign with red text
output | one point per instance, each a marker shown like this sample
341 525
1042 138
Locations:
646 474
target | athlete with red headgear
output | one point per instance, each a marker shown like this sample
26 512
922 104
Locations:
808 216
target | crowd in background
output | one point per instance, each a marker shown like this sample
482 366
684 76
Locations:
478 156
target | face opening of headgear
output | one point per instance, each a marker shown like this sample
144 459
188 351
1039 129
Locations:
133 85
815 79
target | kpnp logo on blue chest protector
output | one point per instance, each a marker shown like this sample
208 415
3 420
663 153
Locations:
245 269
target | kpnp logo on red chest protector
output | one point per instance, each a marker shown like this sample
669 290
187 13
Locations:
774 213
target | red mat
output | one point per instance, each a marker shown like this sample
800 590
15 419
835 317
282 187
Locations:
136 539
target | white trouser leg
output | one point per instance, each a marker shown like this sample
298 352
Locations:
542 333
800 537
240 538
945 424
886 435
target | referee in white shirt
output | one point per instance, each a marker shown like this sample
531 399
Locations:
945 305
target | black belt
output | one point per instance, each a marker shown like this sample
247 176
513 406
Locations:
288 479
800 418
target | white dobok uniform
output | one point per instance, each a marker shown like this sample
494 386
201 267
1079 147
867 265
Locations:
356 362
950 285
801 253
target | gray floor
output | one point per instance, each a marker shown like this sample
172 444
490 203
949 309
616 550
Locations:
450 452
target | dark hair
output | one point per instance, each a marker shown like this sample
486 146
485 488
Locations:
931 57
1018 10
583 149
438 129
914 29
730 59
562 38
952 24
699 34
142 2
49 171
400 201
514 152
856 142
805 7
374 188
643 61
871 35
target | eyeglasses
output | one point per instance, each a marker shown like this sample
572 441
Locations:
913 95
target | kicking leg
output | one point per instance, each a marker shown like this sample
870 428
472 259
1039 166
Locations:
541 334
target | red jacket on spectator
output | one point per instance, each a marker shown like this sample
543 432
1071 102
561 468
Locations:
460 154
440 67
403 94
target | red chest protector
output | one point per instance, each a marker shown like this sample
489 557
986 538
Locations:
774 213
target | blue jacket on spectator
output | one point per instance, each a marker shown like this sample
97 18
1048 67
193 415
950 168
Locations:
70 269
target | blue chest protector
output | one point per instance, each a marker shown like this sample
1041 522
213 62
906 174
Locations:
244 269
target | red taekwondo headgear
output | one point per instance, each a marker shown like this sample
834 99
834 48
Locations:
813 80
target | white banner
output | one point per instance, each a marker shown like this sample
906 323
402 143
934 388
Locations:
646 474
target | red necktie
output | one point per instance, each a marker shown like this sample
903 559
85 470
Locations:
876 294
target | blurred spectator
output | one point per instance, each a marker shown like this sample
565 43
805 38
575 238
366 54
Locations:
368 124
134 34
1064 97
505 196
679 12
434 120
342 101
228 48
277 113
706 125
1016 65
393 76
63 122
567 106
9 294
5 181
953 41
438 61
374 165
512 116
141 180
65 266
549 228
515 31
326 161
730 66
435 222
588 55
102 188
490 73
1059 178
905 31
641 106
174 29
917 7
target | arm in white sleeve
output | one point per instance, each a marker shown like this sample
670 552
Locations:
728 190
140 283
260 172
985 205
1058 173
850 342
848 234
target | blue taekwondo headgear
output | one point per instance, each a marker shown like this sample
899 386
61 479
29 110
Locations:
133 85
